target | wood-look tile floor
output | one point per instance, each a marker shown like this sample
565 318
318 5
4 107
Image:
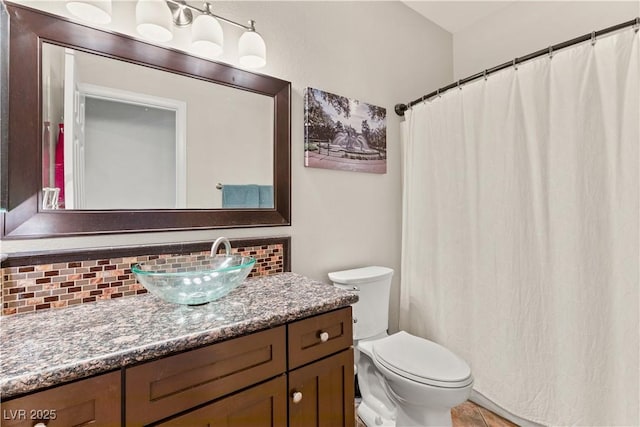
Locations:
470 415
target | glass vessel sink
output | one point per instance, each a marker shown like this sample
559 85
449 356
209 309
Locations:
193 279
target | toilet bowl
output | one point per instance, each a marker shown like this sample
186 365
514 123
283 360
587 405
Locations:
404 380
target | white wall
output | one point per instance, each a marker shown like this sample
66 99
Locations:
117 135
527 26
217 136
362 50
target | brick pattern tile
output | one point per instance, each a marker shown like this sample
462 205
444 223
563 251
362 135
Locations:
32 288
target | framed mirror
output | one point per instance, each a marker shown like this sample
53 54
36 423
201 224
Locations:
206 125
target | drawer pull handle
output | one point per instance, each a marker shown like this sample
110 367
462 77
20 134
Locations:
324 336
297 396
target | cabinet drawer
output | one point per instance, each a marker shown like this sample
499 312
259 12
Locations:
94 401
264 405
159 389
316 337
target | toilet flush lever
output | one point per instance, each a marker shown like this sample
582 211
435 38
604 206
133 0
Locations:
324 336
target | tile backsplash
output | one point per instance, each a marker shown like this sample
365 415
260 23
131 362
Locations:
44 281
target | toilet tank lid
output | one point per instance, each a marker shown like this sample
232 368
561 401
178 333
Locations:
360 275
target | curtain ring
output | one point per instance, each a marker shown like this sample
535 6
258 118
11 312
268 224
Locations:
550 52
593 38
515 64
636 27
484 75
438 93
459 85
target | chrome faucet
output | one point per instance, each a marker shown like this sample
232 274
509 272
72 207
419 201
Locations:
217 243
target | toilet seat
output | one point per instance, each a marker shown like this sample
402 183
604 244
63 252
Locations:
422 361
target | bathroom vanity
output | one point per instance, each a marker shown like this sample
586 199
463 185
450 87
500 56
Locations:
274 352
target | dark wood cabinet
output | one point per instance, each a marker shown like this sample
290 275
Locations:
321 386
162 388
319 336
322 394
299 374
262 405
94 401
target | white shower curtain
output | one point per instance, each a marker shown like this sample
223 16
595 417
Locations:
520 232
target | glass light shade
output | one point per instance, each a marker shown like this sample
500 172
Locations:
252 50
95 11
153 20
206 36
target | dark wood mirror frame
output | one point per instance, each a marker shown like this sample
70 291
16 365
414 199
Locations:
25 219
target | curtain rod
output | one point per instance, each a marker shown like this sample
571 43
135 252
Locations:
401 108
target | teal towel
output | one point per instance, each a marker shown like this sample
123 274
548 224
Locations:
266 196
240 196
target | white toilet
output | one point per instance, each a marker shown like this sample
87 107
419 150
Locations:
404 380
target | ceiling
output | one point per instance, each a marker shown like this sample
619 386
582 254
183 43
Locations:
455 15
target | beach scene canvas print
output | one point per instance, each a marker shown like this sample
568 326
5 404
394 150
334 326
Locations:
344 134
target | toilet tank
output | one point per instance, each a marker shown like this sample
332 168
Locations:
371 312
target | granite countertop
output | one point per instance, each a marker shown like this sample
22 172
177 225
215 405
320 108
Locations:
45 349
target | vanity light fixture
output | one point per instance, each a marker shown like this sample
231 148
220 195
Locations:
154 20
94 11
252 50
206 35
